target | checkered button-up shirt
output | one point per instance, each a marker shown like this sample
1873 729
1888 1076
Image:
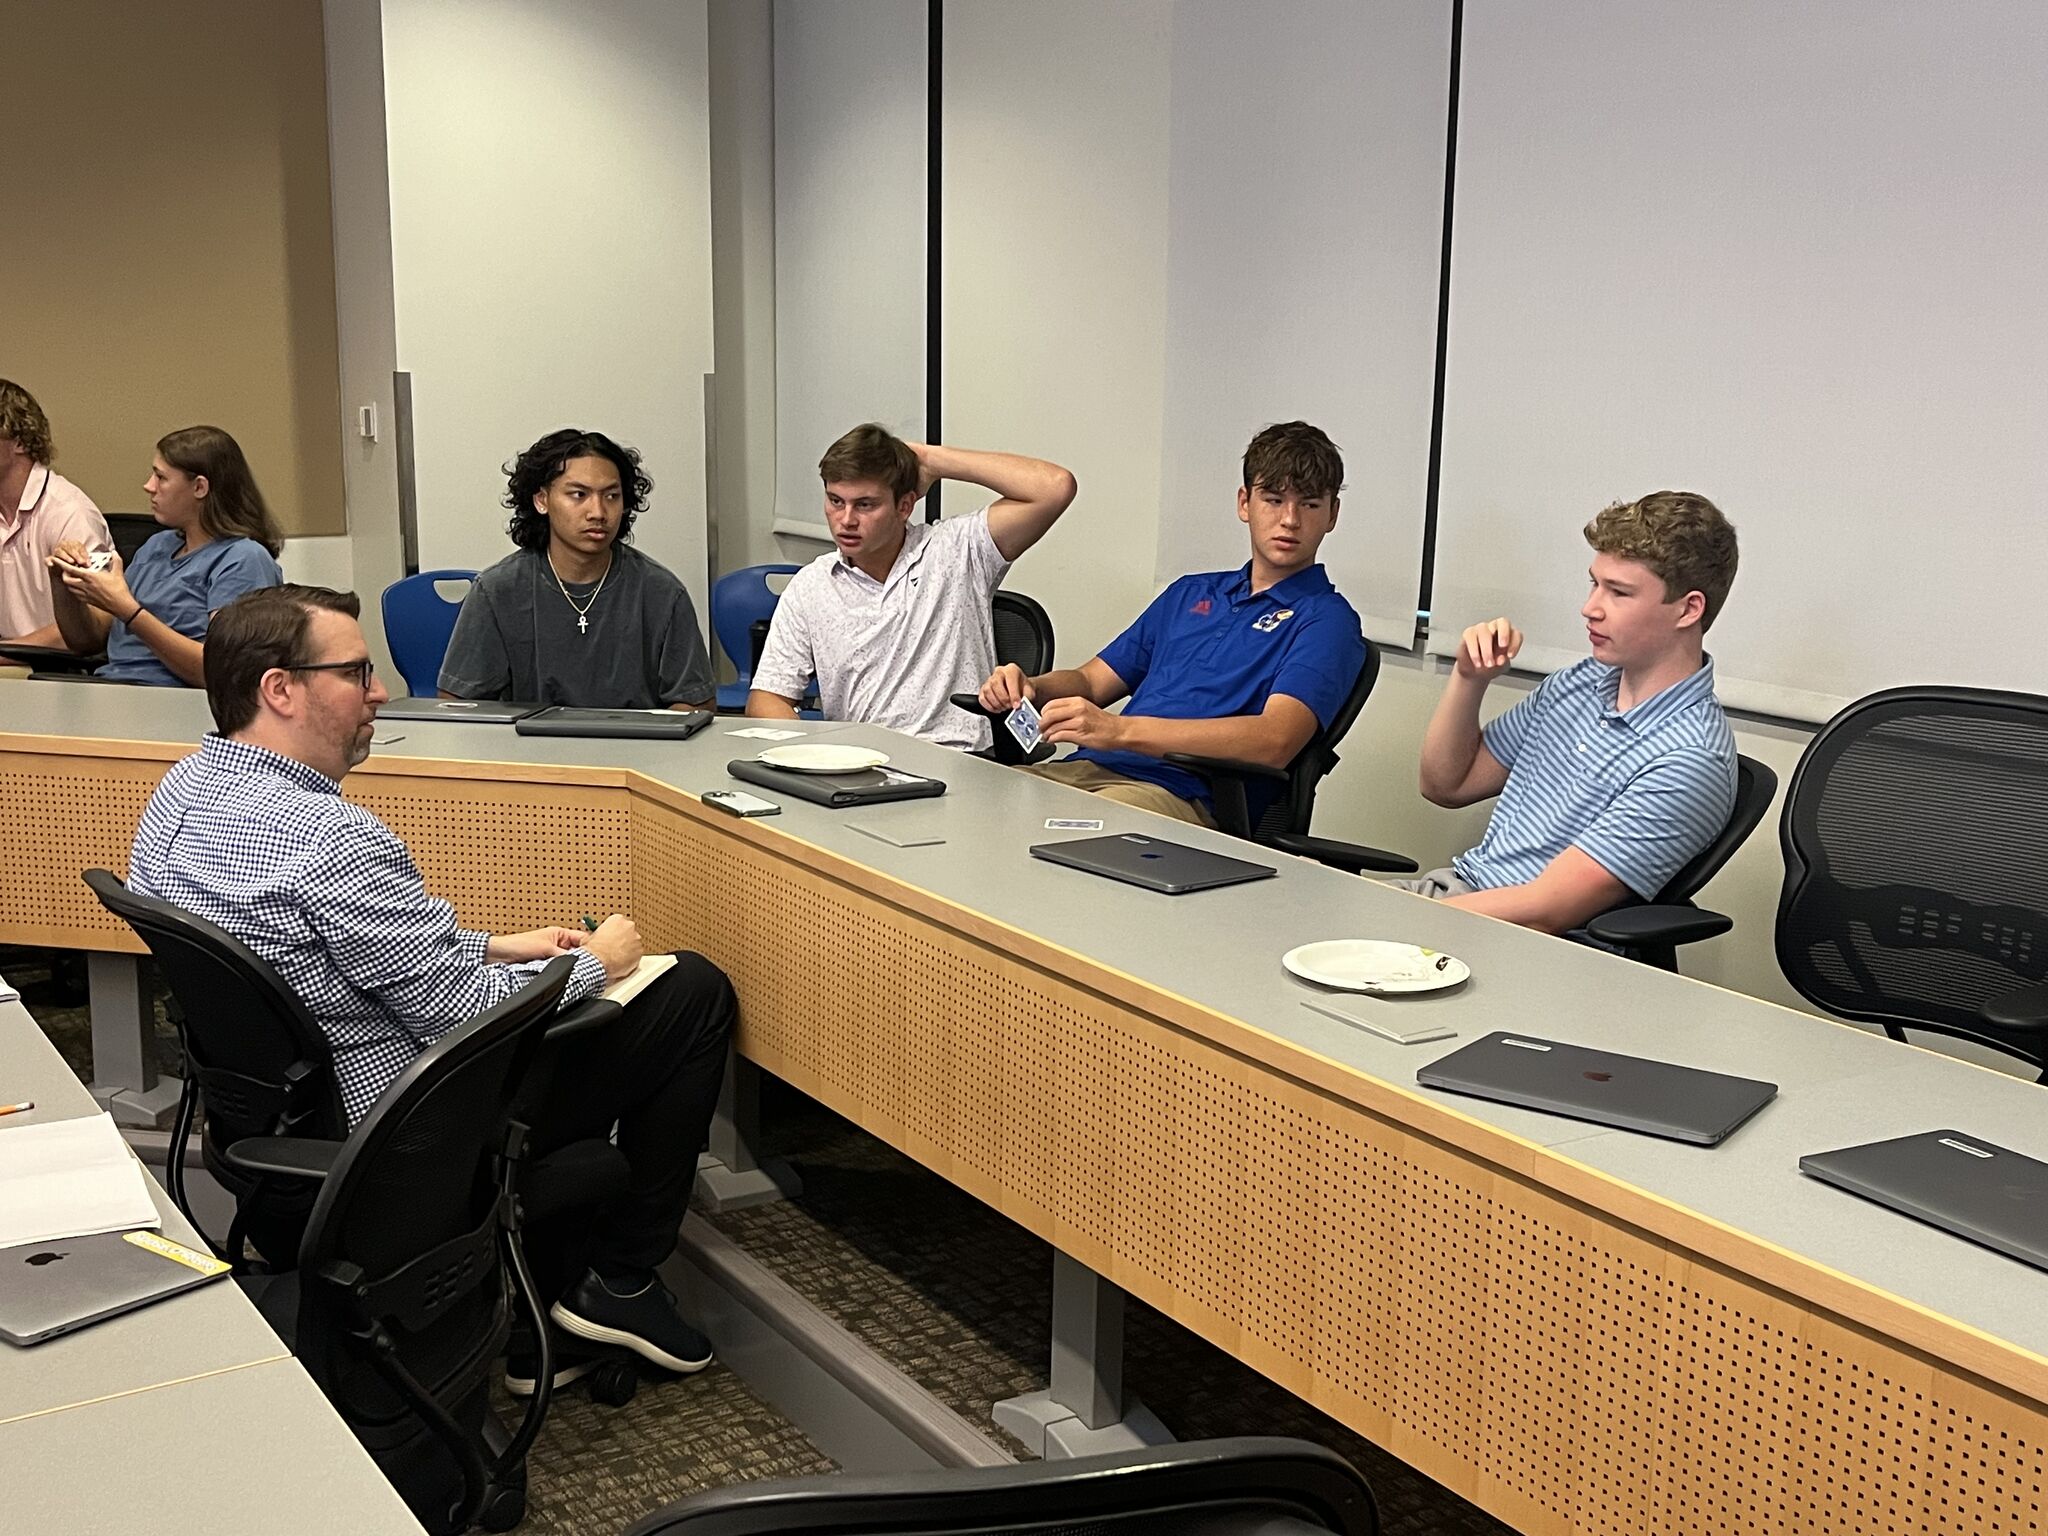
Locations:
266 847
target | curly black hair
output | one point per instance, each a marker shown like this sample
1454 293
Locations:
540 465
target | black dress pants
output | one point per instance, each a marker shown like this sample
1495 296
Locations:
655 1071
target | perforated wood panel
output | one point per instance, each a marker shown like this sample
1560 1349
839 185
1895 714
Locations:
1565 1371
510 856
63 815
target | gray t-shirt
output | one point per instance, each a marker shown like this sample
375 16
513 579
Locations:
517 637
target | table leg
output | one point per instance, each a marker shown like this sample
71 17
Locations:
121 994
1085 1411
729 1178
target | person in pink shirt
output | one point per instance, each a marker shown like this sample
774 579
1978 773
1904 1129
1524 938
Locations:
39 509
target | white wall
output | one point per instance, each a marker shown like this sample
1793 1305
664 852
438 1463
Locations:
1053 266
364 316
850 193
551 246
742 74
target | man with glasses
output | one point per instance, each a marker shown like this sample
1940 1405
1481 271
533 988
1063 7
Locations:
251 833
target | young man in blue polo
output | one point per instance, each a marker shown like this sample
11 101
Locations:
1240 664
1620 768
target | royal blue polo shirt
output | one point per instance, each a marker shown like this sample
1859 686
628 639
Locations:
1209 647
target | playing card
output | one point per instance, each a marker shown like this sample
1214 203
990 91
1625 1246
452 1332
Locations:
1023 724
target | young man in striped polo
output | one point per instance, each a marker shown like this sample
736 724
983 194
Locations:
1616 770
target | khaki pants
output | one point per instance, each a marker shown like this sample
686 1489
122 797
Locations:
1098 780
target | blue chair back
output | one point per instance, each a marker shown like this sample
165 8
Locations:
738 600
417 623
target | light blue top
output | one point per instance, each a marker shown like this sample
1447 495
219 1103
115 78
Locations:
1639 791
184 592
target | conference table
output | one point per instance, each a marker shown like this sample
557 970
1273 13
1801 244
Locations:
1578 1329
186 1416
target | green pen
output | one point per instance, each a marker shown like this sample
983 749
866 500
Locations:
589 923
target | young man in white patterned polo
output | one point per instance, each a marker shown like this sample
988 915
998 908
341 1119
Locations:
895 620
1617 770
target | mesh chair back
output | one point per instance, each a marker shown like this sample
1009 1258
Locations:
1268 1486
262 1065
1295 806
404 1235
1023 631
130 531
1916 860
418 622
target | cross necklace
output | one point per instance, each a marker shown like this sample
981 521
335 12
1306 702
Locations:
583 613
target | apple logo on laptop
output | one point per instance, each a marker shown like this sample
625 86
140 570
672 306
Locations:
1599 1077
46 1257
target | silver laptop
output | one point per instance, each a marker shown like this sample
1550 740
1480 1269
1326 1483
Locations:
1960 1183
51 1288
1631 1093
655 724
1152 862
477 711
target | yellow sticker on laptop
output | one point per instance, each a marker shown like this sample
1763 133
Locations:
178 1253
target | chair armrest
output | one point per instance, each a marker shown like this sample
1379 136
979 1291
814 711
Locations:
2026 1008
1229 767
1354 858
971 702
1632 927
297 1157
581 1018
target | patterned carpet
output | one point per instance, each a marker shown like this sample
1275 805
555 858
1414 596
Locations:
951 1291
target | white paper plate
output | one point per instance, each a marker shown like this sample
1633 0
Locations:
1375 965
823 757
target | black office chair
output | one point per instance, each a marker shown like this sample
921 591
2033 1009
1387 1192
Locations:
130 531
1915 836
1653 931
1023 631
254 1061
1284 822
412 1254
1238 1487
1023 634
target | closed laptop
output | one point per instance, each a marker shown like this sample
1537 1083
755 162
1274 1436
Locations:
1152 862
644 724
47 1289
476 711
1631 1093
1948 1179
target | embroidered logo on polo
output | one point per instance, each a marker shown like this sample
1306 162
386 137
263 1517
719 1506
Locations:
1268 622
1201 607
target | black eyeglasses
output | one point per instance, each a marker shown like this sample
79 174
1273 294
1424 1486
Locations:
365 670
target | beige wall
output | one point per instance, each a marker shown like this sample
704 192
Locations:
170 257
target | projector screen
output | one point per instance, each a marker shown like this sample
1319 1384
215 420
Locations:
1788 256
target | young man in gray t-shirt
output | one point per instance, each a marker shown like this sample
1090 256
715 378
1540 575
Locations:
577 615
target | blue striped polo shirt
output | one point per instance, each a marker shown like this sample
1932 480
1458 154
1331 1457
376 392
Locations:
1639 791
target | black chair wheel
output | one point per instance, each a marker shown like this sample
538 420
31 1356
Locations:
614 1384
503 1509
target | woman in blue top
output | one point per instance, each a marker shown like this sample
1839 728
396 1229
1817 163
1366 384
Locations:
218 541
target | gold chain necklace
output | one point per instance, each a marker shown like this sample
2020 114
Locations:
583 613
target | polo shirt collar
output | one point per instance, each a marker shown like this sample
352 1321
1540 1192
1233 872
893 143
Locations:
1661 706
907 557
231 756
1309 581
33 490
